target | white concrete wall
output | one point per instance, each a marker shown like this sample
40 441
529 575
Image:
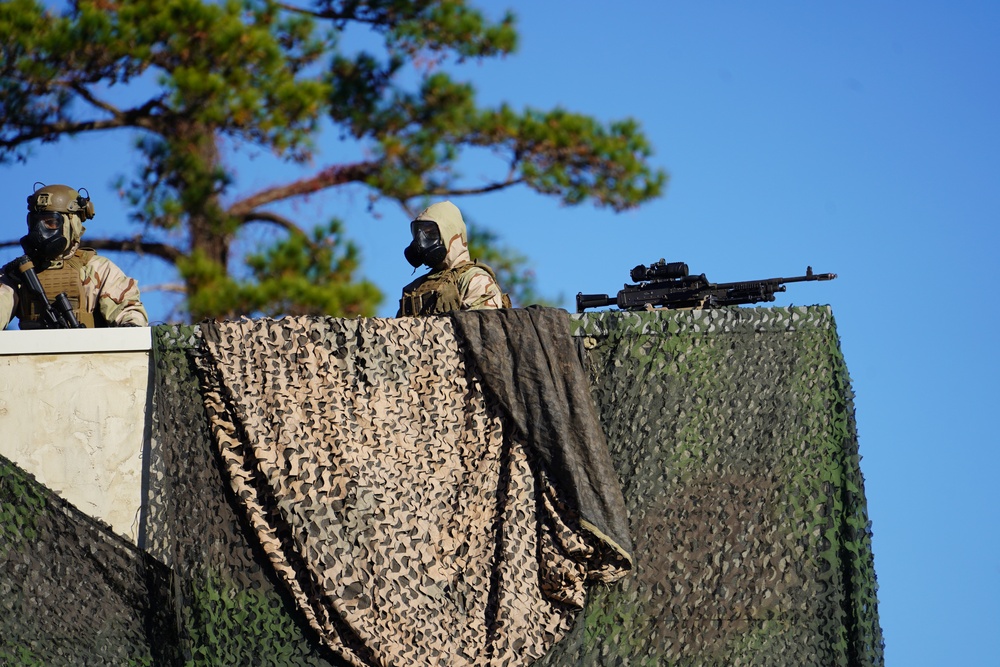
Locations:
73 414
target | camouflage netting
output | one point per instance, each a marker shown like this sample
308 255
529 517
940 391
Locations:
411 526
71 592
733 433
230 608
733 436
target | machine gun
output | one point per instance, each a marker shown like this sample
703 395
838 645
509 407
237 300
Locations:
55 315
668 285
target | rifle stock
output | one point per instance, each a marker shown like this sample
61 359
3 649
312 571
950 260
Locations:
584 301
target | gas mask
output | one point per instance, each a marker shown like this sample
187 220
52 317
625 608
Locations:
55 221
48 235
427 247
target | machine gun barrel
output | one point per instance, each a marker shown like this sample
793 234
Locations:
810 276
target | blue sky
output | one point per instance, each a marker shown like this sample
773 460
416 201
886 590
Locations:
861 138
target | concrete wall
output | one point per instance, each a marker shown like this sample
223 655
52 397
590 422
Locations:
74 412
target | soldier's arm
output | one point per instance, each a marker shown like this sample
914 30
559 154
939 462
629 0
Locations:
8 302
482 292
117 295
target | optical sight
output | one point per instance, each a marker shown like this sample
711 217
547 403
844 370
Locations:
659 271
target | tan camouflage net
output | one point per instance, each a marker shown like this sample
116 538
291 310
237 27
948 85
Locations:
230 606
411 529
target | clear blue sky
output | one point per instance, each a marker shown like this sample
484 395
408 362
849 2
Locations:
862 138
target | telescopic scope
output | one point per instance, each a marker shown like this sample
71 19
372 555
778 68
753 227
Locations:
659 271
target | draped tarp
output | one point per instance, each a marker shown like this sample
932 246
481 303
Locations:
530 365
410 525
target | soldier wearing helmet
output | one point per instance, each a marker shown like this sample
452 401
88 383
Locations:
101 295
455 282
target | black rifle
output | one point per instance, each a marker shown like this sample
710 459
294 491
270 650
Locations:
55 315
663 285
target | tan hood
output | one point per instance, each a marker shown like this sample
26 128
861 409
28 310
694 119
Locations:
74 234
449 221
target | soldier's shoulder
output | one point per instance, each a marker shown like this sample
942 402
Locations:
477 268
91 260
85 259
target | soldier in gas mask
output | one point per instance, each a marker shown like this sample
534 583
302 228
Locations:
100 294
455 282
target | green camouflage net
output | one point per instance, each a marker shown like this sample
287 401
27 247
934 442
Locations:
733 435
72 592
230 610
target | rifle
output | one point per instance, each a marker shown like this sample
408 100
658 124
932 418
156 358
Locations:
668 285
55 315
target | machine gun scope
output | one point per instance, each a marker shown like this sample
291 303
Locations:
659 271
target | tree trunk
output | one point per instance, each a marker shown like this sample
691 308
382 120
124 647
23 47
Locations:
200 183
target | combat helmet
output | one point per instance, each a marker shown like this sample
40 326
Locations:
55 220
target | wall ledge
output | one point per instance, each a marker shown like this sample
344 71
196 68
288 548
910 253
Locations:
75 341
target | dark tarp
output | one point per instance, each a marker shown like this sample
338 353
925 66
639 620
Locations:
530 365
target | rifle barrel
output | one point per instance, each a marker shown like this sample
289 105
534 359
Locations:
64 311
809 276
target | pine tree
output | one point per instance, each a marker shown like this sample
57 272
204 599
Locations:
272 77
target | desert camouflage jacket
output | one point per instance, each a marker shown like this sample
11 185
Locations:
100 292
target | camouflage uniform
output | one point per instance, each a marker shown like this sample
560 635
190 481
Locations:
456 282
100 293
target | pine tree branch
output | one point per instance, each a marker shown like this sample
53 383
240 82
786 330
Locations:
492 187
83 92
329 14
327 178
164 251
55 129
177 288
275 219
136 117
268 216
